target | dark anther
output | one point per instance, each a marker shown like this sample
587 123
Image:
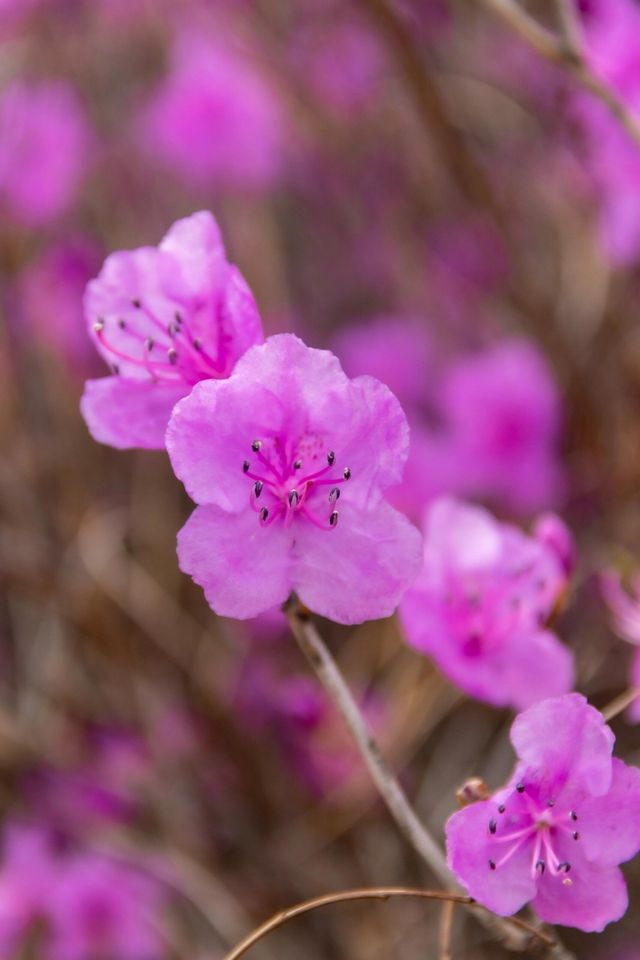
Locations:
493 826
264 513
334 495
256 445
172 354
573 815
492 864
293 499
501 808
540 866
331 458
520 787
575 835
346 473
297 464
177 317
149 344
257 489
122 323
136 303
566 866
98 326
245 466
333 519
197 343
551 803
173 329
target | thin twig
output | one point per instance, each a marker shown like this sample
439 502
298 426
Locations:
620 703
445 930
508 931
562 51
374 893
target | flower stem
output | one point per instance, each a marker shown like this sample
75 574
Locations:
509 932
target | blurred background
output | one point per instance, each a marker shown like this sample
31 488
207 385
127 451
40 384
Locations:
407 183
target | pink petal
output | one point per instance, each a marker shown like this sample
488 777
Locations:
129 413
360 569
566 738
470 846
243 568
197 244
610 825
596 896
537 666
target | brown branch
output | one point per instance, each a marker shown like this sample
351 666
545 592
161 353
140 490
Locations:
445 930
508 931
562 51
620 703
374 893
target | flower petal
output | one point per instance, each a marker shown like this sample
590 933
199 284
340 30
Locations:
594 897
566 737
129 413
535 666
243 568
610 825
360 569
470 847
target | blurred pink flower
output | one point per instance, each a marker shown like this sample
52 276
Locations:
164 317
267 454
555 834
504 412
50 290
45 147
481 605
214 120
75 904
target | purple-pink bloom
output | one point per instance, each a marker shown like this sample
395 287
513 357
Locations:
164 318
504 412
45 148
555 834
289 461
481 604
214 120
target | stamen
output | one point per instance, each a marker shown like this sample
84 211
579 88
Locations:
573 815
493 826
492 864
245 466
256 446
520 787
565 865
540 867
333 519
575 835
334 495
501 808
149 344
257 489
136 303
346 473
331 458
297 464
172 354
98 326
551 803
264 513
122 323
293 499
197 343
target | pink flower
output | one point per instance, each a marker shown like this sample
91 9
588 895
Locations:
50 290
481 604
625 611
504 411
555 834
214 120
164 318
45 143
289 461
75 904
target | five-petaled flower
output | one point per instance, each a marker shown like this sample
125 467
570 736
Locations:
481 605
555 834
289 460
164 318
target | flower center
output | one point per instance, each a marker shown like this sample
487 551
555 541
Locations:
291 485
538 825
168 352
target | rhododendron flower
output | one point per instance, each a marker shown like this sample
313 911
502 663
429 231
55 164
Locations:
214 120
625 612
164 318
45 145
289 461
504 412
74 904
555 834
481 604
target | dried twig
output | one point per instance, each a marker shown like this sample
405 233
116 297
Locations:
620 703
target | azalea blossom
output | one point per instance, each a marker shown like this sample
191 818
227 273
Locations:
164 318
481 605
45 149
289 461
555 834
